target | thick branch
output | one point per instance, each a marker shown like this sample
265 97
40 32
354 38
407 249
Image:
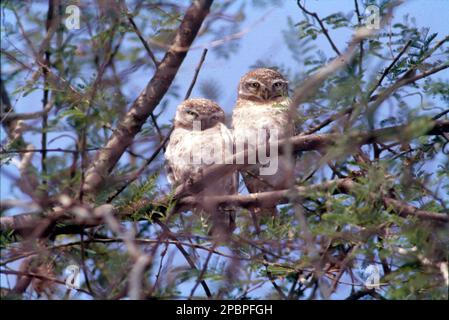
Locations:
263 199
147 101
346 186
314 142
299 143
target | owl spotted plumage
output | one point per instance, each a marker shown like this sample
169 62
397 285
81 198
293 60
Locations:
263 105
199 139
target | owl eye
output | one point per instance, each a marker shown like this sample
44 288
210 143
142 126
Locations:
214 117
254 85
278 85
191 113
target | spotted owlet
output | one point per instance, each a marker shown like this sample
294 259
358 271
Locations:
200 139
262 107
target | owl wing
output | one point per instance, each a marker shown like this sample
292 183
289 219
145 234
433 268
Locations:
228 139
173 166
295 122
170 174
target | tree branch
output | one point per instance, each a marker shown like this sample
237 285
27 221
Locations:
323 27
387 70
311 142
147 101
310 85
140 36
338 186
346 186
300 143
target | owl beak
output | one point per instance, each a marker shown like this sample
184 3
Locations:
266 93
204 124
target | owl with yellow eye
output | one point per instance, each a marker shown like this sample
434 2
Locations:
200 139
263 104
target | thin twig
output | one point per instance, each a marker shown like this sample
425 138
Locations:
186 255
50 18
323 27
40 276
140 36
46 150
202 273
137 173
83 263
387 70
195 76
359 21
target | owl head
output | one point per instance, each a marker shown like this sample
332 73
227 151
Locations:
263 85
194 112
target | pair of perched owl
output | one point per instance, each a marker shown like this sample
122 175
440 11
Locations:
262 104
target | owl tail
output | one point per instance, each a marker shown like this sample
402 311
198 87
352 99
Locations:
223 224
255 184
